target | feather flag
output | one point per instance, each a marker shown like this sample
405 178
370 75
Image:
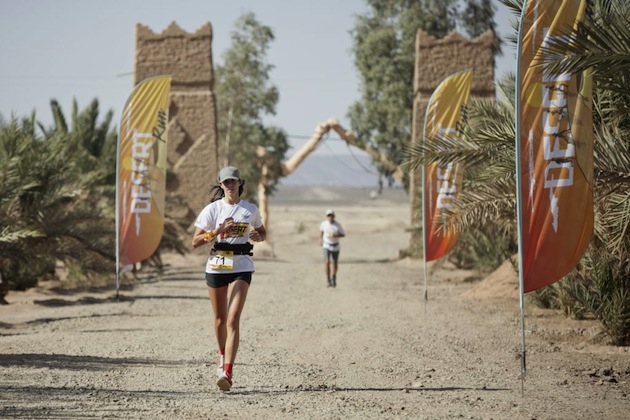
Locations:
554 147
442 182
141 171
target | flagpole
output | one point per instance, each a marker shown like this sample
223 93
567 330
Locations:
424 237
424 200
519 204
118 216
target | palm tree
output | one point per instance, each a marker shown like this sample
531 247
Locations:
47 208
95 141
15 182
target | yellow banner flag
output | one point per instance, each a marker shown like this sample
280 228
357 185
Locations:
554 147
141 184
443 183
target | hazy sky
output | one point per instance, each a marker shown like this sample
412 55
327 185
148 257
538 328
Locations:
84 49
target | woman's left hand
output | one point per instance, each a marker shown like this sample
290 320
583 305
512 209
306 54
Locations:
255 236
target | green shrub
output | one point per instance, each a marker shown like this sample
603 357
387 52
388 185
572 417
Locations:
483 248
601 287
25 276
605 292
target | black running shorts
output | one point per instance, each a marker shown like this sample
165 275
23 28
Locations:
215 280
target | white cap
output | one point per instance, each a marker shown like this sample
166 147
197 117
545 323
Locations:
330 212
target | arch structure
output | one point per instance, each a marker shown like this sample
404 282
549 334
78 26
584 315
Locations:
291 164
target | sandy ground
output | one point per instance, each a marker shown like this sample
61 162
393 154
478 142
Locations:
372 348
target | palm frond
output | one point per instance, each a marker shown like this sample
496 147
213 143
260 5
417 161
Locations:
482 202
612 223
612 157
486 147
506 88
601 44
58 117
9 235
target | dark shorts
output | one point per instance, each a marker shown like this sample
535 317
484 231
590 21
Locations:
331 254
221 280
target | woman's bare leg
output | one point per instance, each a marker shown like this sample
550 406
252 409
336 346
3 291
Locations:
218 298
237 295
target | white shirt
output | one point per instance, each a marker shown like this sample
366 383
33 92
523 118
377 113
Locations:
328 229
246 217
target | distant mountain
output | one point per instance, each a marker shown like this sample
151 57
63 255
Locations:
352 170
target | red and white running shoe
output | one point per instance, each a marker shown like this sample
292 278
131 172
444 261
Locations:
224 382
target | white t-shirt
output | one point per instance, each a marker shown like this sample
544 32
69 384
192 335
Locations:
328 229
246 217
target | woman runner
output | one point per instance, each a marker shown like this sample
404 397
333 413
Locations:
227 223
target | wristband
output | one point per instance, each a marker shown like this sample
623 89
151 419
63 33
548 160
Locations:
208 236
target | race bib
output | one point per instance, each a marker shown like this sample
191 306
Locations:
222 260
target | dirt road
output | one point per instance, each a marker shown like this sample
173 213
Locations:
369 349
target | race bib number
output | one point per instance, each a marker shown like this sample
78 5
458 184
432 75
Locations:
222 260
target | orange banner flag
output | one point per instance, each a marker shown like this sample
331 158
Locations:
141 183
554 147
442 183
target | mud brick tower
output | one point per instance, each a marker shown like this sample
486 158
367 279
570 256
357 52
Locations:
192 129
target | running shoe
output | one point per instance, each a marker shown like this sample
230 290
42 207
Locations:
220 365
224 382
